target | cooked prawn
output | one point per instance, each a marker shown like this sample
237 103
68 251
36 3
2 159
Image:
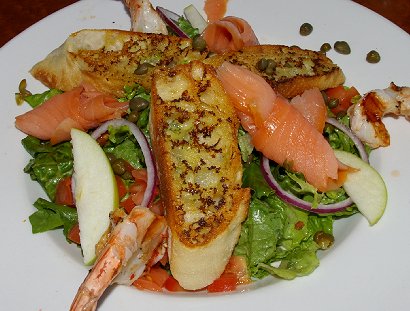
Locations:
131 244
278 129
366 116
144 18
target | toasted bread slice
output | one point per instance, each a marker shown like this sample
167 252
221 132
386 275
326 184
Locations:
295 71
194 137
108 59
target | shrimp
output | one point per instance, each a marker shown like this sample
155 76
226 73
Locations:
366 116
130 247
144 18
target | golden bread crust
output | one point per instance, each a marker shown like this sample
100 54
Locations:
296 69
108 59
194 137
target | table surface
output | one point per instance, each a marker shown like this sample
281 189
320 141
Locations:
15 16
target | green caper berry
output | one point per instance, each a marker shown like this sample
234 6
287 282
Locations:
323 240
119 167
373 57
111 157
142 68
342 47
198 43
341 114
325 47
127 175
325 97
262 64
138 104
306 29
133 116
333 103
271 67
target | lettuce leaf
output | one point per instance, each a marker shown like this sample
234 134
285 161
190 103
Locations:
51 216
49 164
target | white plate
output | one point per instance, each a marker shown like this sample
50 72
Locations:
368 268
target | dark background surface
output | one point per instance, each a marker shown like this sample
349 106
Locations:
18 15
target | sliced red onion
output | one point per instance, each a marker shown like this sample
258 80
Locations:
293 200
357 142
171 19
146 151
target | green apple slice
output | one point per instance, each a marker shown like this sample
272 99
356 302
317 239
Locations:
95 191
365 187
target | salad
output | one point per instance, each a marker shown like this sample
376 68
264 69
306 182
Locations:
274 232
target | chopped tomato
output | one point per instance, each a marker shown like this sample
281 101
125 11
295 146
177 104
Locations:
153 280
237 265
64 194
128 204
122 189
236 273
225 283
74 234
147 284
172 285
158 275
344 95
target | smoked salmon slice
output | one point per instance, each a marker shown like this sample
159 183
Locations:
278 129
229 34
312 106
83 108
215 9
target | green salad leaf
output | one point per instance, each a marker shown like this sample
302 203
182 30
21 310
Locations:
35 100
51 216
49 164
278 238
186 27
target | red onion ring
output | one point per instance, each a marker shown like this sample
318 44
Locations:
293 200
357 142
171 19
146 151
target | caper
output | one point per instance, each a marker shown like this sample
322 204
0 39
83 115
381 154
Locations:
328 128
119 167
127 175
111 157
323 240
325 47
341 114
306 29
138 104
333 103
342 47
262 64
325 97
271 67
142 68
198 43
373 57
133 116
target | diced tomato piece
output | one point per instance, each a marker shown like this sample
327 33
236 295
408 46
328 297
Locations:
344 95
158 275
172 285
64 194
128 204
237 265
122 189
225 283
74 234
146 284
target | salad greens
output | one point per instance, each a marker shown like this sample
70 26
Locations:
276 238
